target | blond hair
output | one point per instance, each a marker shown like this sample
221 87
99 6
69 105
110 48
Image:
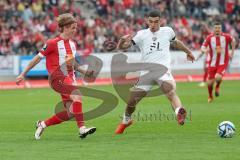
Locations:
64 20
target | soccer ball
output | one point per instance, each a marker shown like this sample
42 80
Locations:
226 129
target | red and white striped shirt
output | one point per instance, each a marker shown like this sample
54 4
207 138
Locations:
59 55
218 49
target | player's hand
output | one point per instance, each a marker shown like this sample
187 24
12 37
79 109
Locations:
89 73
190 57
127 37
197 59
124 42
231 55
19 79
89 76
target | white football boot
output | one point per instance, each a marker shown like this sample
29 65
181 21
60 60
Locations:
39 129
83 131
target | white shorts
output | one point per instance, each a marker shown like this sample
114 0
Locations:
146 85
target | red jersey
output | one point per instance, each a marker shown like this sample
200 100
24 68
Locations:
59 55
218 49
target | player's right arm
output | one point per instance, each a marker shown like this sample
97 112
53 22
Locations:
32 63
204 48
127 41
79 68
46 50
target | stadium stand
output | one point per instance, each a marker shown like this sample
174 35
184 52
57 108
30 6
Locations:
26 24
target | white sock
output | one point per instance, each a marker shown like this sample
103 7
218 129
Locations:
177 109
126 119
82 129
42 123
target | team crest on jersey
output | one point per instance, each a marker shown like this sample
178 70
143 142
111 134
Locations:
154 38
44 47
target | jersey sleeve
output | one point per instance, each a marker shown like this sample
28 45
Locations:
172 35
229 38
206 42
46 50
137 39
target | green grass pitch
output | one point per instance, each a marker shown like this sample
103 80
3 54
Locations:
152 139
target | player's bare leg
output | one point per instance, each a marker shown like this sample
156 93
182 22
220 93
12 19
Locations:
135 96
218 79
205 75
210 89
203 83
169 89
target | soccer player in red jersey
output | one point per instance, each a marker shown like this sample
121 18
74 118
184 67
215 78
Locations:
205 70
60 62
218 44
205 31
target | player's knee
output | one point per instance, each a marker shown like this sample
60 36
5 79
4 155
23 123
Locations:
218 77
76 98
210 82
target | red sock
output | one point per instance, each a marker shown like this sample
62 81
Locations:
210 88
57 118
205 75
77 112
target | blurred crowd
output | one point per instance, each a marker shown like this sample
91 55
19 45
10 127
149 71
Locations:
25 25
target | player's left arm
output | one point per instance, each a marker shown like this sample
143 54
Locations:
78 67
36 59
180 46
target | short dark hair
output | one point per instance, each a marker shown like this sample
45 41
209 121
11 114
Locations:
154 13
217 23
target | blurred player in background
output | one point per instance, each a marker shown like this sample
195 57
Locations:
154 44
60 55
205 31
218 44
205 72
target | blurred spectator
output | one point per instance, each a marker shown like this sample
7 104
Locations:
26 24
